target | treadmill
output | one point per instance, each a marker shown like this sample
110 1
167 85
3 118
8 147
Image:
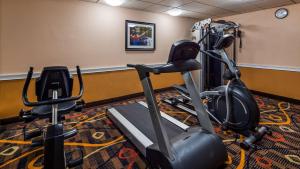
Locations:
164 141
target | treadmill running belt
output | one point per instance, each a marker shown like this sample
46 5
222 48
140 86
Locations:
139 116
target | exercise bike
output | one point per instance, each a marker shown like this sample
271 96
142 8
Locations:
231 105
54 99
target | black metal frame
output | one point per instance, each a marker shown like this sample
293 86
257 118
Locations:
208 63
139 49
54 136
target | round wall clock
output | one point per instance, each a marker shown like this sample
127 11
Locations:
281 13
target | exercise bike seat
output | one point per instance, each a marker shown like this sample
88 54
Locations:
45 111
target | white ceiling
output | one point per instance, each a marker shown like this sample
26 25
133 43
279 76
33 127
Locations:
203 8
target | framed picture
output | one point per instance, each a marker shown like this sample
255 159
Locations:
140 36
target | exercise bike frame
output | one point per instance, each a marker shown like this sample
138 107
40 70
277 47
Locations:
53 141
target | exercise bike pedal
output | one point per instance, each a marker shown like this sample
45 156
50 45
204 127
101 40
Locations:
70 133
74 162
33 134
79 105
37 142
26 116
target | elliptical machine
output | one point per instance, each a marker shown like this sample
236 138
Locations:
231 105
54 99
212 70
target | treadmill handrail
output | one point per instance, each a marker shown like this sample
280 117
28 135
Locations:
202 114
179 66
164 142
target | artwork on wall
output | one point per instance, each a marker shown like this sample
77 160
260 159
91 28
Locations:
140 36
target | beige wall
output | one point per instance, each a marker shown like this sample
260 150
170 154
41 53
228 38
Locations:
270 41
70 32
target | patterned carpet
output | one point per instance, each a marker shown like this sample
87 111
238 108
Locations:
104 147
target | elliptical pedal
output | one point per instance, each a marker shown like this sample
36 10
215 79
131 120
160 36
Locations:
257 136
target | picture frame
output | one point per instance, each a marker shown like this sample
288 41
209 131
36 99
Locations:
139 36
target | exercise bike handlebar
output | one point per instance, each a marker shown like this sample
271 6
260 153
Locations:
50 102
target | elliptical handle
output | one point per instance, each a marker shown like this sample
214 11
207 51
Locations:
26 86
206 34
50 102
212 56
81 88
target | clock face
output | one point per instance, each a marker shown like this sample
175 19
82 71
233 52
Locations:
281 13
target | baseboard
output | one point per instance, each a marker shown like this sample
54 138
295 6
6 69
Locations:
277 97
9 120
92 104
